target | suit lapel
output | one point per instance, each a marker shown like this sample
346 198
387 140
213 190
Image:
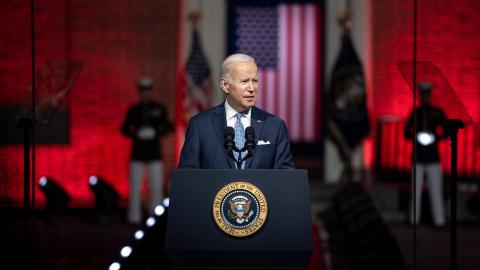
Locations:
257 122
219 121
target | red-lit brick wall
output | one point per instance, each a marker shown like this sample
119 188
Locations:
119 41
448 33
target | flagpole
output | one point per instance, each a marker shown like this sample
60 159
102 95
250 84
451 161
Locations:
179 130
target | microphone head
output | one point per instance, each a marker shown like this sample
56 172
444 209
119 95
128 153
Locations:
229 136
250 133
229 131
249 139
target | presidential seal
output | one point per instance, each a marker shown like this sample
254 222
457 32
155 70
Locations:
240 209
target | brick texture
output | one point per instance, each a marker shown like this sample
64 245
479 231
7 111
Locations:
119 41
448 35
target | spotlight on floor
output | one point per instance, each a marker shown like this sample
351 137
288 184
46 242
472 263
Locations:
159 210
139 234
114 266
126 251
106 197
150 222
57 197
166 202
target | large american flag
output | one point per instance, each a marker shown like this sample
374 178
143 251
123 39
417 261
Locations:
285 40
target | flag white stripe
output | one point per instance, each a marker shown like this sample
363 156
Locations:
296 72
310 73
282 63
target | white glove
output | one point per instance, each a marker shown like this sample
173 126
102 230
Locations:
146 133
425 138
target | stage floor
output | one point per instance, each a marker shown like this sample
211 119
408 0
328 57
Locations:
79 241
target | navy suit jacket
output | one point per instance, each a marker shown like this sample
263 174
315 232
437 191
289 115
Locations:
204 142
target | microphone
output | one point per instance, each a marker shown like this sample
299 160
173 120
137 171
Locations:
249 141
249 144
229 142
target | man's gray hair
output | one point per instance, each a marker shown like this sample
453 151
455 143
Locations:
234 59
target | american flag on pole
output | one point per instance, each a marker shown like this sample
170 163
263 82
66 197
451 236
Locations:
194 88
198 82
285 40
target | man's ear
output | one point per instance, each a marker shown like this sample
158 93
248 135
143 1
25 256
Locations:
224 85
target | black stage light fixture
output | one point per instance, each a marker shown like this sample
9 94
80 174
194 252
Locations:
106 197
57 196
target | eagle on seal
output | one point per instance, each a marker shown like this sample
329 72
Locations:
240 208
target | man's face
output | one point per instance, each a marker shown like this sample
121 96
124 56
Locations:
242 86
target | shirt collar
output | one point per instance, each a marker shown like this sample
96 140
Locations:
231 112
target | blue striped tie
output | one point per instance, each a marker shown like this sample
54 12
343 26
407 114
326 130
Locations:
239 136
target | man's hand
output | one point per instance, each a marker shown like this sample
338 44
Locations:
146 133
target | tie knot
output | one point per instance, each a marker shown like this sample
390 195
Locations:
239 116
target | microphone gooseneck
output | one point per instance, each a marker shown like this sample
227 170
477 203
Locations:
248 147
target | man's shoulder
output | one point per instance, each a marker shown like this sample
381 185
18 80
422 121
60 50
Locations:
259 114
207 114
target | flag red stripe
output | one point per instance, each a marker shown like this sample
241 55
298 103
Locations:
271 89
303 117
318 60
263 91
259 102
288 60
311 73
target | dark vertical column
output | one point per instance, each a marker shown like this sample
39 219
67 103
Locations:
453 125
32 19
453 201
414 149
25 125
31 143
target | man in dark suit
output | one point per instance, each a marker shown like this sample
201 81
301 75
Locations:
205 137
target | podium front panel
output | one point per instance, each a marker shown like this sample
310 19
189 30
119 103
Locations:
195 240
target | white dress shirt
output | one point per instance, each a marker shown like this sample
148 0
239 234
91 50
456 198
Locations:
232 119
